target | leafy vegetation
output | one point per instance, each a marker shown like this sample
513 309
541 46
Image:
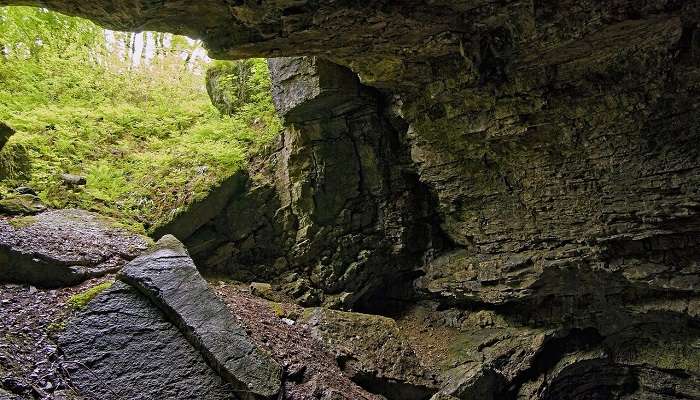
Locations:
140 127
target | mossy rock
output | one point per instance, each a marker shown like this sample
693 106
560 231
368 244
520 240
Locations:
15 162
22 222
23 204
79 300
5 132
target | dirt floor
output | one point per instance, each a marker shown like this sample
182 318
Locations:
311 371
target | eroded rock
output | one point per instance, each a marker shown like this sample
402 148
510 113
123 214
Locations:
168 277
372 351
554 141
122 347
64 247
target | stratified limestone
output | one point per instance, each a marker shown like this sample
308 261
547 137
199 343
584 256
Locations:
333 215
64 247
122 347
553 143
169 278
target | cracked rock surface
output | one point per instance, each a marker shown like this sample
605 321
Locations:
63 247
121 347
530 169
167 276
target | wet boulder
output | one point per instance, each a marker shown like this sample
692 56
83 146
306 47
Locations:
122 347
64 247
168 277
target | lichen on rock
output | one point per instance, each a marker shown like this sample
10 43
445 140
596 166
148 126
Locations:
535 160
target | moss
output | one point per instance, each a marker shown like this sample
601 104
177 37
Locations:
56 327
278 309
14 162
22 222
80 300
672 356
21 205
148 141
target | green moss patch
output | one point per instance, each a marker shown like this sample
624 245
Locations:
80 300
22 222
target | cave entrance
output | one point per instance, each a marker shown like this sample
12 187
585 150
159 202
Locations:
121 123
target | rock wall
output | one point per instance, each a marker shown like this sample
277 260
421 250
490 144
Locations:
335 211
533 159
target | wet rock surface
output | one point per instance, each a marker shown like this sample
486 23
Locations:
63 247
31 366
122 347
534 164
167 276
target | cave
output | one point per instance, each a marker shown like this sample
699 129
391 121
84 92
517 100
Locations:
525 172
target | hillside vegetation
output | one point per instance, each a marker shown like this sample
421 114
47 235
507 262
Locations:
138 125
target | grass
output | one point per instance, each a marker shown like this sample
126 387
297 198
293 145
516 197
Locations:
144 158
148 140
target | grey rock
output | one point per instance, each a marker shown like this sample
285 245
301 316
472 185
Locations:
183 225
169 278
25 190
310 88
64 247
540 160
122 347
373 352
73 180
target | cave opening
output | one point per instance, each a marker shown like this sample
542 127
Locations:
464 201
135 126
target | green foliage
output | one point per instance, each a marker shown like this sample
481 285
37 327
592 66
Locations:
234 84
79 300
148 139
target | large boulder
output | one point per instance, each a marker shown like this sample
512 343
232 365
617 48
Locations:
64 247
167 276
122 347
373 352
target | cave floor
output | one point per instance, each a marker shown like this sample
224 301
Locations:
30 318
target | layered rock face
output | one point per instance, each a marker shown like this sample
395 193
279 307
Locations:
536 161
335 211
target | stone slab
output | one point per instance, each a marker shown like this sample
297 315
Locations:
169 278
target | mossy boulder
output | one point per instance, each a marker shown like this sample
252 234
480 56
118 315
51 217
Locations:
22 204
373 352
5 132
